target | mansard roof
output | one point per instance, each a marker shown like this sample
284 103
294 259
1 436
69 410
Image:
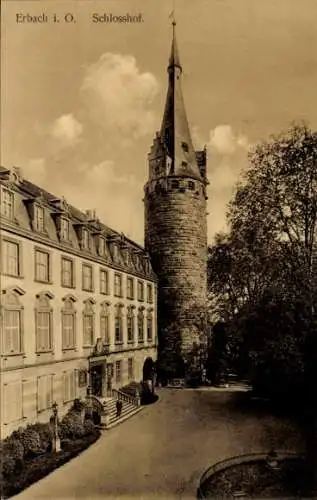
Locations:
30 192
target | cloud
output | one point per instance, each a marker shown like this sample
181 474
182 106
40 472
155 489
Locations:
227 159
66 129
223 140
35 171
117 198
119 96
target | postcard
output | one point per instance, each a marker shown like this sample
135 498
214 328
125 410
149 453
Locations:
158 195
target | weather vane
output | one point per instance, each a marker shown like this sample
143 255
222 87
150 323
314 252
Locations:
172 14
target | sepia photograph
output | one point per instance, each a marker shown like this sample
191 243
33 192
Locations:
158 249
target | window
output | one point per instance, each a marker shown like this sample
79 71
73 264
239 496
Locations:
185 146
140 290
102 246
140 326
130 369
12 404
85 239
44 392
12 322
64 234
39 218
43 324
118 371
69 386
68 275
104 323
89 320
68 324
7 203
87 278
149 327
130 325
115 252
42 266
118 324
175 184
137 262
104 282
130 288
149 293
118 285
191 185
11 258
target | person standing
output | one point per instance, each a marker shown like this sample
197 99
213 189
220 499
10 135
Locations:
119 408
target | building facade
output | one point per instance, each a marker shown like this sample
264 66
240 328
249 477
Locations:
78 305
176 229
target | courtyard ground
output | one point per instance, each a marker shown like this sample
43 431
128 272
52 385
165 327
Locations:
161 452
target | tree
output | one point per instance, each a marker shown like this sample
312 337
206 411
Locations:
272 244
276 205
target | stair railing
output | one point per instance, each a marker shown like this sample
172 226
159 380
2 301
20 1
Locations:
127 398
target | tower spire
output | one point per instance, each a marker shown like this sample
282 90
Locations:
175 133
174 57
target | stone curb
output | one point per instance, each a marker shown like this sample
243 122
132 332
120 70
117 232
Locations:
237 460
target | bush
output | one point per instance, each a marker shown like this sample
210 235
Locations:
89 427
12 456
46 434
38 467
31 441
71 427
78 405
26 454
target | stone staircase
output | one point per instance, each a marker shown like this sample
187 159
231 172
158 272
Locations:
106 408
128 409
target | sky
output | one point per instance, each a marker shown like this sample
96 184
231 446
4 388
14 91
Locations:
81 101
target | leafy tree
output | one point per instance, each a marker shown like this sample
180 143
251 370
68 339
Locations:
265 269
217 362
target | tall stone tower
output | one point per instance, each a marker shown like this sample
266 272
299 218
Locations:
176 229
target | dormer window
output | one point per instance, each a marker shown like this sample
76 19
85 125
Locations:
64 234
85 239
102 246
115 252
39 218
7 203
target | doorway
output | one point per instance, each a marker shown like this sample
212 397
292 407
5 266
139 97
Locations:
96 373
109 378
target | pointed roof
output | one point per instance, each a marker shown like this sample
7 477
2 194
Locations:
175 133
174 57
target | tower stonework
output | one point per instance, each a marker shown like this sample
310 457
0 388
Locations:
176 228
